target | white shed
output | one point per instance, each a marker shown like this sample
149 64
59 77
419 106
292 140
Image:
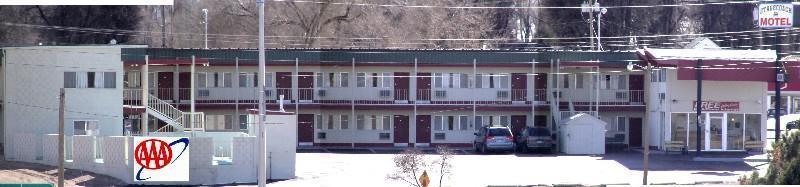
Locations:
583 134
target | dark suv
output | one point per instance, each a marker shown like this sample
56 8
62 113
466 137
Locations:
493 138
535 138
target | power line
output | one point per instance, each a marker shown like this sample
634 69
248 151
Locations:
517 7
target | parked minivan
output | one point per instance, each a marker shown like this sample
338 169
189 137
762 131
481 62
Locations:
533 138
493 139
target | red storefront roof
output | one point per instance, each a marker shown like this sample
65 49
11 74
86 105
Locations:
717 64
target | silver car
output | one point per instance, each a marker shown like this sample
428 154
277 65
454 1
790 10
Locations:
493 139
535 138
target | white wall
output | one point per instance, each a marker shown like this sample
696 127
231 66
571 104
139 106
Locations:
34 76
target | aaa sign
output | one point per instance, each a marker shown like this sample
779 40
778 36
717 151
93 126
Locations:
775 15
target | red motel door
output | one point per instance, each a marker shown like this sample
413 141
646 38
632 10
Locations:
400 129
305 128
423 129
519 84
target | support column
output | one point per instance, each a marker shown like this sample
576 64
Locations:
145 122
175 82
474 75
295 86
532 96
353 103
192 92
236 105
413 92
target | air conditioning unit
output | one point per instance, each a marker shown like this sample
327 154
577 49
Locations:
385 93
621 95
384 136
502 94
321 135
267 93
439 136
440 93
203 93
321 93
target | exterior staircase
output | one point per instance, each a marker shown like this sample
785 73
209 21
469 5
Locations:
177 120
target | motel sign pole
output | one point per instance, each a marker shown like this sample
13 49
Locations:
699 76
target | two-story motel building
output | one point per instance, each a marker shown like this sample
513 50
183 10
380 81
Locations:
398 98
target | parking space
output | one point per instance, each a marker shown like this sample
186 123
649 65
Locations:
347 169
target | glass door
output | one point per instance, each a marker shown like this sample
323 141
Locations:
715 131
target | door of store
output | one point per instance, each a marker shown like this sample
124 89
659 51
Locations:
715 131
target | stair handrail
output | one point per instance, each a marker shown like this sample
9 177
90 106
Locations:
164 108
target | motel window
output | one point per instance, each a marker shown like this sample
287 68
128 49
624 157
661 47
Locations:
387 123
344 121
438 80
451 122
481 121
318 122
622 124
243 122
374 79
503 80
622 82
343 79
492 79
361 80
227 79
360 122
374 122
464 83
268 79
504 121
565 80
579 80
320 80
85 127
201 79
90 77
330 79
463 123
662 75
606 84
109 80
228 122
330 122
438 125
247 80
70 80
479 81
132 79
450 77
387 80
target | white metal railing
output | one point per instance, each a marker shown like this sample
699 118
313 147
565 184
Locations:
193 121
132 96
164 108
166 128
603 97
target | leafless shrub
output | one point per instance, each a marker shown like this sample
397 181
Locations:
443 163
408 166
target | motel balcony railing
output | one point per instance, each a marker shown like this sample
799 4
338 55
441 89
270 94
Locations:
384 96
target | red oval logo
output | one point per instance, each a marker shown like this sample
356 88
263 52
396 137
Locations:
153 154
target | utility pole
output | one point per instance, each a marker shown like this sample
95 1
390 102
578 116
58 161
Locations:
205 23
61 138
698 104
163 27
262 143
779 78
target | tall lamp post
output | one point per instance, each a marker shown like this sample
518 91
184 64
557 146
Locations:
645 134
205 23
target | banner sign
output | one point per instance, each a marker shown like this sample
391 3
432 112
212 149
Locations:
715 106
773 15
161 159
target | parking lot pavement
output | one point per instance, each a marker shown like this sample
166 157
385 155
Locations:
359 169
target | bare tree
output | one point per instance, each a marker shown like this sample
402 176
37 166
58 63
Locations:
444 162
408 165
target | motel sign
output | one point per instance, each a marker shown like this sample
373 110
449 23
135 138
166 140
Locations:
775 15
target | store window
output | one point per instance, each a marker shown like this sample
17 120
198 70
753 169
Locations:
752 127
735 132
678 127
693 131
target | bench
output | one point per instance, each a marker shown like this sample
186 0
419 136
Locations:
675 146
753 145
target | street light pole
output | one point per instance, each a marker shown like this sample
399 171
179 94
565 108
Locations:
699 107
205 22
262 159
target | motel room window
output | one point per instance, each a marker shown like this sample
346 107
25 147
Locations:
90 79
438 80
268 80
565 81
227 79
70 80
331 79
374 122
622 82
387 123
752 127
479 81
678 127
464 83
662 76
109 80
451 122
360 122
579 80
438 123
375 79
132 79
344 122
361 80
386 79
320 80
247 80
450 77
622 124
482 121
201 79
492 79
243 122
503 80
318 122
228 122
330 122
606 84
344 78
85 127
463 123
504 121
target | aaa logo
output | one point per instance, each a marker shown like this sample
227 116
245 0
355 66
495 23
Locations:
157 160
